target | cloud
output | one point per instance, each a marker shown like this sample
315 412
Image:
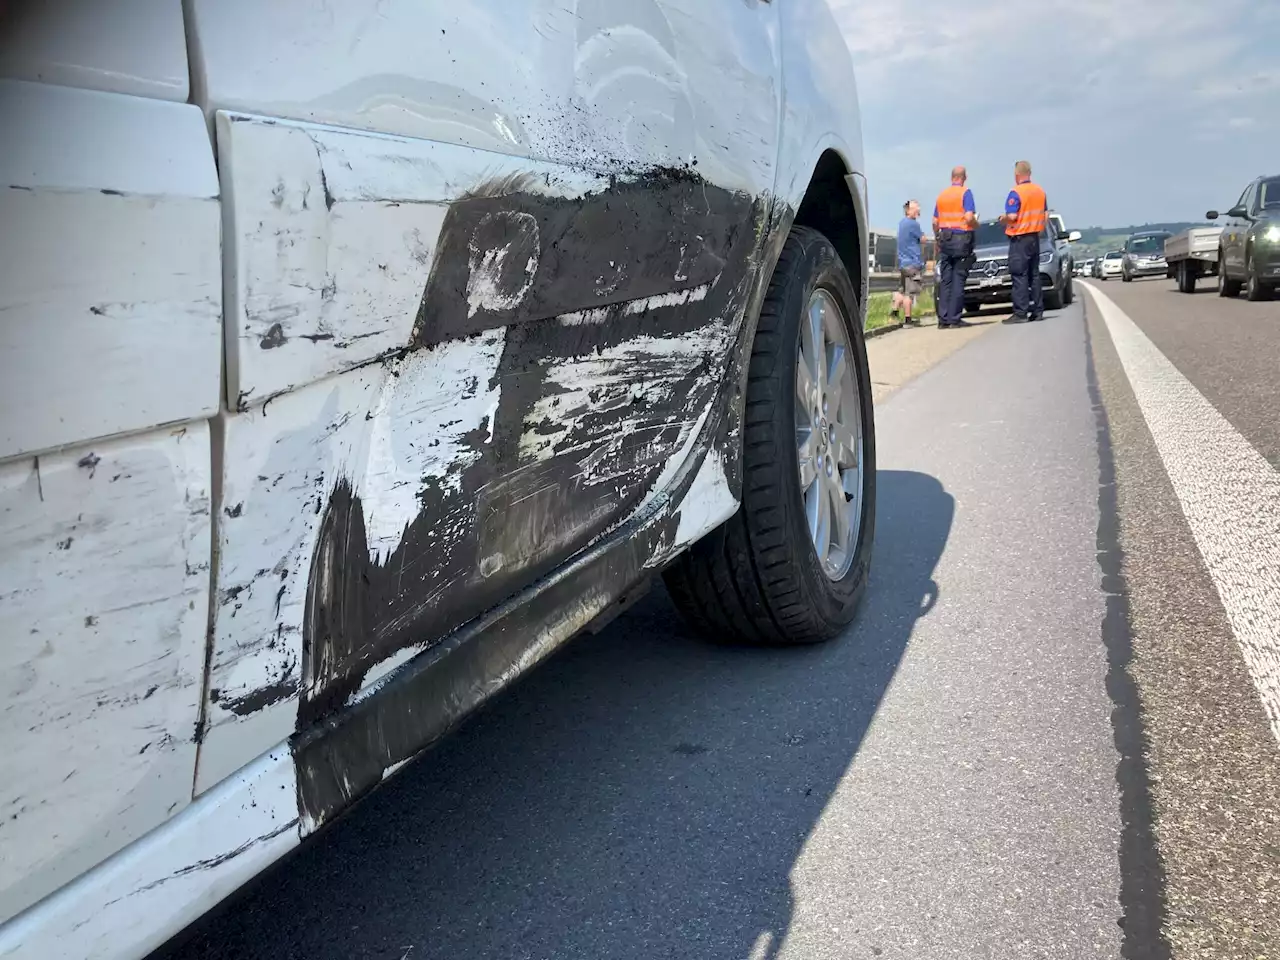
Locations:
1126 110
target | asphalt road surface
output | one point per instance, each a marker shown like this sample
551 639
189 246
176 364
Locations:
1047 736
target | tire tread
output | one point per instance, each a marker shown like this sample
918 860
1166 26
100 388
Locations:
743 582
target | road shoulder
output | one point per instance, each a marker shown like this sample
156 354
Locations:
902 355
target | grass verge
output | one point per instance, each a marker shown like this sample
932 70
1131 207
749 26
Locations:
879 305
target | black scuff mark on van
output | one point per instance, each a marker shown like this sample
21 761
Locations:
346 755
89 462
216 861
508 514
557 466
623 243
112 193
274 338
324 185
275 692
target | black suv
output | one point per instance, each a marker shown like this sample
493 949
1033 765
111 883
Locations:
1249 251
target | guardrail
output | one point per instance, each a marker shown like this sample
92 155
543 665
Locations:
883 282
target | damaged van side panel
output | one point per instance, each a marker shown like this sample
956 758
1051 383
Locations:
556 360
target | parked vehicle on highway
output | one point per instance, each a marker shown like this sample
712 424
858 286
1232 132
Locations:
1086 268
1193 254
338 397
1144 255
1249 247
1111 265
989 281
1064 238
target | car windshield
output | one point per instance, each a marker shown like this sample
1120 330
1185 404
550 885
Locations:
993 233
1152 243
1269 194
1113 255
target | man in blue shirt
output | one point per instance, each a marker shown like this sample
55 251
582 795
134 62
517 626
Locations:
910 262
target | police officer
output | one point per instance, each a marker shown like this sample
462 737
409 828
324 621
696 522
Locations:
1025 210
954 220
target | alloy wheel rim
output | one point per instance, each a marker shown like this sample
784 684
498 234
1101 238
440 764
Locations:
828 421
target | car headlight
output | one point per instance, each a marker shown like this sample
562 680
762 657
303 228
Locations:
1271 234
1046 257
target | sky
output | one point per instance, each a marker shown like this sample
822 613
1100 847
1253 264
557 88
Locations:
1130 111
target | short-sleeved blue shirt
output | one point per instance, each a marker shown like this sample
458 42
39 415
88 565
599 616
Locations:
909 236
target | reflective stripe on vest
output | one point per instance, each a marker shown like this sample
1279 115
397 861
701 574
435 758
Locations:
951 215
1031 213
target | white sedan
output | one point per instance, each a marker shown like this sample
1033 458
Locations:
1112 265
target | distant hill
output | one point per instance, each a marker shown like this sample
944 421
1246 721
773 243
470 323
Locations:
1095 234
1095 241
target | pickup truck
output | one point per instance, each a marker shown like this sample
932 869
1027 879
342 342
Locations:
1192 254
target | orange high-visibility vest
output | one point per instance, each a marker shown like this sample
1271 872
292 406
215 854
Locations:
1031 213
951 214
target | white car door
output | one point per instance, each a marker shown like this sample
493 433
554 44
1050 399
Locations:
110 358
484 265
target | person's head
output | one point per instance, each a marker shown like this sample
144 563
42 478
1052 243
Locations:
1022 171
911 208
959 175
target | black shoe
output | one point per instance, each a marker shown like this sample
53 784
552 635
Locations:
960 323
1037 317
911 322
1015 318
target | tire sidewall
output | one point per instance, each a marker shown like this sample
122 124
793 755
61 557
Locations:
820 267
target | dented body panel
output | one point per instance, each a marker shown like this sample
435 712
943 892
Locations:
488 285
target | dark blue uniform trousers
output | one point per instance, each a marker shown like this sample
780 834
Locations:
1024 270
955 250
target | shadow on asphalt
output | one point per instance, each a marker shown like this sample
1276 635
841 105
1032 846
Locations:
988 313
641 795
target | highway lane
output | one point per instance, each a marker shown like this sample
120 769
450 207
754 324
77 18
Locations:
1213 766
1041 739
1229 348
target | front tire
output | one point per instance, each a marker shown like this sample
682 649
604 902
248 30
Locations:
1226 286
762 577
1254 288
1069 294
1053 297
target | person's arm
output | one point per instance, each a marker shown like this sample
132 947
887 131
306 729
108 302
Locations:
970 210
1012 206
935 219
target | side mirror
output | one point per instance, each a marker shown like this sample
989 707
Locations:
1211 215
1074 235
1237 211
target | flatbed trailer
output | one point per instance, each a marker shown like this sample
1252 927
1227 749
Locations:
1192 254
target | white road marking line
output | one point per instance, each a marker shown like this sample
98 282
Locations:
1229 494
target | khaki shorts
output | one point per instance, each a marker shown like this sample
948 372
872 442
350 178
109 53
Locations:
909 281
